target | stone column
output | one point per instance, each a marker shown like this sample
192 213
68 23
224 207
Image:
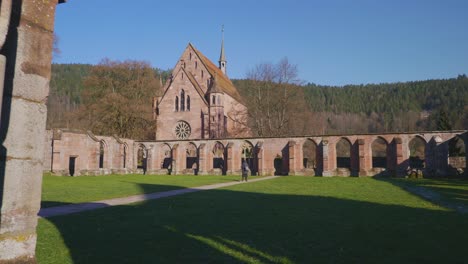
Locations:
328 158
401 164
149 159
230 159
292 157
202 160
365 158
176 160
440 153
209 159
260 160
28 54
156 160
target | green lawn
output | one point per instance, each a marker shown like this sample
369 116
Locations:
62 190
285 220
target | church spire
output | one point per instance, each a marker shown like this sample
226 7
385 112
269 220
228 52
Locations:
222 57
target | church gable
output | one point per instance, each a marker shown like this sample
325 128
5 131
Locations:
191 62
182 103
184 81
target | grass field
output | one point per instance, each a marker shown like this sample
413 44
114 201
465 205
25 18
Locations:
63 190
450 190
284 220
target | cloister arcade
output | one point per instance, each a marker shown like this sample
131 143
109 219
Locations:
430 153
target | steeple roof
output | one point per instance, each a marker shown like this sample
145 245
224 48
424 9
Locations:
222 57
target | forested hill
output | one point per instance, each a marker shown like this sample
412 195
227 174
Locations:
67 79
386 107
404 106
391 97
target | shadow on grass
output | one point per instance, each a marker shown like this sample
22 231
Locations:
223 226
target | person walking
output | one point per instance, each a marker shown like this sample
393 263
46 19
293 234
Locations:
245 170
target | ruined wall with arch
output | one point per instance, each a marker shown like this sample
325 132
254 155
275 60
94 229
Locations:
392 154
76 153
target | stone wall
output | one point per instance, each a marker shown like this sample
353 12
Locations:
26 40
280 156
83 148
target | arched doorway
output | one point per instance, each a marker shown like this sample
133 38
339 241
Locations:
219 158
379 153
310 161
417 149
166 153
457 156
249 154
191 160
142 158
343 154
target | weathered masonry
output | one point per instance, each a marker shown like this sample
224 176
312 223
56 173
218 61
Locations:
26 40
430 153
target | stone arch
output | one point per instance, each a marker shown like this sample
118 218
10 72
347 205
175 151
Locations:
456 155
166 157
310 157
192 158
343 153
379 149
219 157
417 150
142 158
249 154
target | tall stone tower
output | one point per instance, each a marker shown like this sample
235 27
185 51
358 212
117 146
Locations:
222 58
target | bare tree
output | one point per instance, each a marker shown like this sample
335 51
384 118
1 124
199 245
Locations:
274 100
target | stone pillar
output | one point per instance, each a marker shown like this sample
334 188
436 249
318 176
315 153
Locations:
365 157
155 160
149 159
440 153
260 160
209 159
202 160
230 159
328 158
26 55
178 156
292 157
401 163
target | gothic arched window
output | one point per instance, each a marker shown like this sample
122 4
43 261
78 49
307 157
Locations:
182 100
213 100
177 103
188 102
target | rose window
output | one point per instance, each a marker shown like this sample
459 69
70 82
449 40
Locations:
182 130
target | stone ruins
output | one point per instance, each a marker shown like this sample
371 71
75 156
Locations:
393 154
195 133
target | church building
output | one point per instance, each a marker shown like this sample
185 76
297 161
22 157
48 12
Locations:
199 101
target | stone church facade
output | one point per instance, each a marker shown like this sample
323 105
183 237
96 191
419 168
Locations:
199 101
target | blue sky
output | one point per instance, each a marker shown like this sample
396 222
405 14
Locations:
333 42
